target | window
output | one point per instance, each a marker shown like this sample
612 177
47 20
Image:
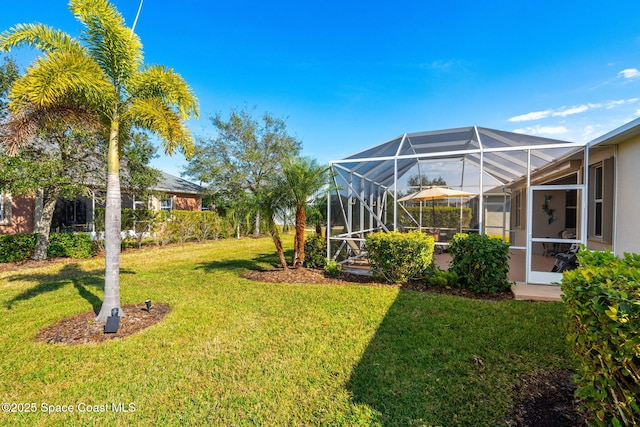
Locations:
518 209
5 208
598 193
166 204
571 209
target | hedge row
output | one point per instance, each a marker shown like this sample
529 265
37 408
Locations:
19 247
175 226
438 216
602 299
16 247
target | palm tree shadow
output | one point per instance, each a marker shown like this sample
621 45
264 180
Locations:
259 262
70 273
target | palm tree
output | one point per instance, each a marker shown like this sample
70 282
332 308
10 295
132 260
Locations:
271 199
305 177
102 72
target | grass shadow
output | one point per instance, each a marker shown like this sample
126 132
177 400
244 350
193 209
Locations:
425 364
70 273
258 262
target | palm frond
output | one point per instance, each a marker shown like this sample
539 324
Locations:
155 115
61 75
39 36
160 82
113 46
22 126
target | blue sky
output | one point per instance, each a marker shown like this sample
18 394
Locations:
349 75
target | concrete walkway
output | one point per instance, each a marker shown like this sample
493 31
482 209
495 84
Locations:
526 292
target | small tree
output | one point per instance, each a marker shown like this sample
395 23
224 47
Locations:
244 157
270 200
304 177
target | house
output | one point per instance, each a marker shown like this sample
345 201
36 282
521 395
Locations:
18 214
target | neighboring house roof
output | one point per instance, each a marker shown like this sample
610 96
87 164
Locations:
173 184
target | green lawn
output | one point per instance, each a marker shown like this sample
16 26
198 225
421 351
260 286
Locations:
237 352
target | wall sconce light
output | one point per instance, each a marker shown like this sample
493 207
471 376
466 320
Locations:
353 201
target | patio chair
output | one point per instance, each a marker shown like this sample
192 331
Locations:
567 260
549 249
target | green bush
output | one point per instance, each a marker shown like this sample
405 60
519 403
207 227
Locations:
72 245
443 279
481 262
16 247
602 299
332 269
315 251
399 257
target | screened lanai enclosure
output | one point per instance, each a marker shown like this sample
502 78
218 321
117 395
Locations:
490 174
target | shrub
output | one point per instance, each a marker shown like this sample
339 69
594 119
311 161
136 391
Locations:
602 299
399 257
443 279
315 251
482 263
72 245
16 247
331 268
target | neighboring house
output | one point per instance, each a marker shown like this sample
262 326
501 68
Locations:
18 214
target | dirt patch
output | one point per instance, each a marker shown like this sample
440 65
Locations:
545 398
83 329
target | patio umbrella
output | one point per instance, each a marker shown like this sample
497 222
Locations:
434 193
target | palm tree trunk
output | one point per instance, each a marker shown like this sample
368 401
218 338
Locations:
280 251
275 235
112 225
301 223
43 226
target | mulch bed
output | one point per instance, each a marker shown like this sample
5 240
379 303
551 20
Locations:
317 276
83 328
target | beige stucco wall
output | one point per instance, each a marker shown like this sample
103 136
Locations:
627 232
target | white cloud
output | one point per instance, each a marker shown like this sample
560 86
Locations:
564 112
629 73
535 115
542 130
612 104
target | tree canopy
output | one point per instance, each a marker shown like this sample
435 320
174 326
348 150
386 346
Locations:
243 158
